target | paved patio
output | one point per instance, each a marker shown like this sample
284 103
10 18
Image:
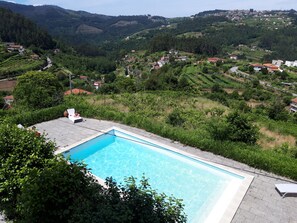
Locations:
262 203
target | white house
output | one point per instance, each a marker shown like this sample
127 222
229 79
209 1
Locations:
233 57
291 63
8 99
277 63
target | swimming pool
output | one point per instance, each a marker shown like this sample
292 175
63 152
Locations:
208 191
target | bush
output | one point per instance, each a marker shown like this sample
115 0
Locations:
240 129
219 130
236 128
175 118
35 186
28 118
67 193
277 111
35 90
20 152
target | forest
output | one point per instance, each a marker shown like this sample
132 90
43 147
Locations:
16 28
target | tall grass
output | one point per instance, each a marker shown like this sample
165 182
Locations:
143 117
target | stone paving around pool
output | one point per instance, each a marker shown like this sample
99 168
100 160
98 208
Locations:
261 204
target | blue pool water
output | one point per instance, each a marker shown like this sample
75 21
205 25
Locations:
197 183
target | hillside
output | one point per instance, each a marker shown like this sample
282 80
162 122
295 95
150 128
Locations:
83 27
16 28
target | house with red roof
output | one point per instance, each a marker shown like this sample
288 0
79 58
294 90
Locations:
257 67
97 84
214 59
8 99
77 91
83 77
271 67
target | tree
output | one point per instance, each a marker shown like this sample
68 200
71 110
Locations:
205 70
216 88
175 118
67 193
240 129
37 90
125 84
36 186
277 111
236 128
264 71
20 152
183 83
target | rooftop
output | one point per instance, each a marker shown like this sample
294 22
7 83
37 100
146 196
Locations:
294 100
9 97
77 91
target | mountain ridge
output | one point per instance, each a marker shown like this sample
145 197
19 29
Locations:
64 22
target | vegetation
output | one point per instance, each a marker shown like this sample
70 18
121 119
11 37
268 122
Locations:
153 77
34 181
8 68
37 90
16 28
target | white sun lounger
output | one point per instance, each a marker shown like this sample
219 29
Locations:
72 116
285 189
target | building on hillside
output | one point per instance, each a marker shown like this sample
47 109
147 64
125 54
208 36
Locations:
291 63
277 63
8 99
182 58
272 68
173 52
293 105
257 67
15 47
97 84
77 91
233 57
214 60
83 77
164 60
56 51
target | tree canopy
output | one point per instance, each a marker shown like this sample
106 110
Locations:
37 90
16 28
36 186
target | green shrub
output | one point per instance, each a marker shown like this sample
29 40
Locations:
35 186
175 118
28 118
36 90
277 111
219 130
20 152
67 193
240 129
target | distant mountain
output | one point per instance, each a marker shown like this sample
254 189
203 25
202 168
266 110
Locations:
82 27
17 28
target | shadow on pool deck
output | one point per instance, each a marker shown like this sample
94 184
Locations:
262 203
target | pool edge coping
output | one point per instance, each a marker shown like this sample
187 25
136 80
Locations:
234 204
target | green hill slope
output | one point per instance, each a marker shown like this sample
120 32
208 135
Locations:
84 27
16 28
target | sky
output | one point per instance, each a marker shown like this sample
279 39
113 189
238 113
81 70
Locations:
166 8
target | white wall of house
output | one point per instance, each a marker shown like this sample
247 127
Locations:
277 63
291 63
